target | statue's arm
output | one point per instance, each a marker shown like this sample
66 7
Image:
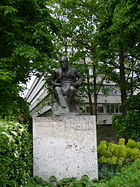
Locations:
80 79
53 80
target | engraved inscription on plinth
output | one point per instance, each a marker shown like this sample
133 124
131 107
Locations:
65 147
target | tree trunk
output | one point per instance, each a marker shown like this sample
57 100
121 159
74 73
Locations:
89 91
90 104
95 91
122 81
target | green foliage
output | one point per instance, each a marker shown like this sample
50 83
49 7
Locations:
129 126
84 181
128 176
78 19
52 179
27 32
15 154
106 32
118 154
117 40
111 156
113 30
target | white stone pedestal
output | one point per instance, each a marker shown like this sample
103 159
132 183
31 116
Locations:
65 147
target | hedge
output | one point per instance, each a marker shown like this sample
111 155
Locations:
112 157
128 177
15 154
118 154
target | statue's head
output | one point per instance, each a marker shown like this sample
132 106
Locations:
64 62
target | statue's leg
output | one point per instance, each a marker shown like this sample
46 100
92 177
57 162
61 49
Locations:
59 97
71 93
72 100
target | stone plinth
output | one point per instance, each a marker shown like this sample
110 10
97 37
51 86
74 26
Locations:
65 147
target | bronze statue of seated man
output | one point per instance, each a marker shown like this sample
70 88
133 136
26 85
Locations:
65 82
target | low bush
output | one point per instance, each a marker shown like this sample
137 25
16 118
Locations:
111 156
118 154
65 182
128 177
129 126
15 154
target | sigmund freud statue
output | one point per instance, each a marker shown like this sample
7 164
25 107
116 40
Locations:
65 82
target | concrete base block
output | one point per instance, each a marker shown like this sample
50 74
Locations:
65 147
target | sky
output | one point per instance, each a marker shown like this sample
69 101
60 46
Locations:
27 86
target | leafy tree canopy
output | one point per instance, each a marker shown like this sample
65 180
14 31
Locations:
108 33
26 31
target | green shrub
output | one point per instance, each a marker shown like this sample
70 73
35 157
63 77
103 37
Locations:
111 156
128 177
118 154
65 182
129 126
15 154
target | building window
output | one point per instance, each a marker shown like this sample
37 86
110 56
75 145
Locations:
100 109
113 108
104 108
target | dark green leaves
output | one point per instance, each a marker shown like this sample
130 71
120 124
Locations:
26 31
